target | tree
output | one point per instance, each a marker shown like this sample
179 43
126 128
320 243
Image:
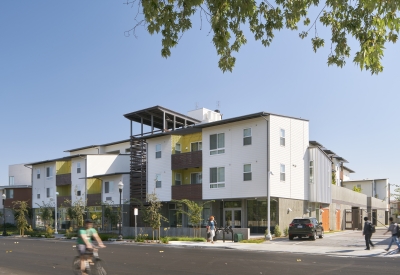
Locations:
20 213
152 214
76 211
357 189
372 23
194 211
396 193
46 213
334 177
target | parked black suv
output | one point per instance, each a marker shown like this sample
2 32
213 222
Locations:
306 227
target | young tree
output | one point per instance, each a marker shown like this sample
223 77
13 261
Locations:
76 211
20 213
194 211
152 214
372 23
46 213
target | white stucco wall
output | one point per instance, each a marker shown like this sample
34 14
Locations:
107 164
114 193
21 174
160 166
235 156
39 186
320 187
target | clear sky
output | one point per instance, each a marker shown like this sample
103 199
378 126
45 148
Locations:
68 74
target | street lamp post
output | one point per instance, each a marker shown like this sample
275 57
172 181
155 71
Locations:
55 212
120 186
4 215
268 236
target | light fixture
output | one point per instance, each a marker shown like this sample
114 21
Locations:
336 211
308 210
322 211
289 210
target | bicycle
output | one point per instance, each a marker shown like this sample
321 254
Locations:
94 265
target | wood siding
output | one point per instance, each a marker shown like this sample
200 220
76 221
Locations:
186 160
63 179
187 191
94 199
20 194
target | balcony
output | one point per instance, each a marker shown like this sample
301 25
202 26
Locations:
186 160
63 179
187 191
61 201
94 199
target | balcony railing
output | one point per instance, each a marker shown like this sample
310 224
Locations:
94 199
186 160
187 191
63 179
61 201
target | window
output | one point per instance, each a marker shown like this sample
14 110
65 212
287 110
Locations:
217 177
158 151
9 193
48 192
38 173
49 173
196 146
108 187
178 179
78 193
196 178
178 148
38 196
158 180
11 180
282 137
282 172
217 144
247 172
78 167
247 136
108 198
311 171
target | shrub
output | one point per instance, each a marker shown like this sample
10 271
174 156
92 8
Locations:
164 239
286 231
49 232
106 236
277 231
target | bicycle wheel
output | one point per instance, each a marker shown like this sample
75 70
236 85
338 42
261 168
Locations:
76 265
99 267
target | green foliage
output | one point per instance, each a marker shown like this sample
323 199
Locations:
396 193
111 216
277 231
333 177
371 23
76 211
46 213
357 189
286 231
187 239
20 214
70 232
49 232
194 211
258 240
152 215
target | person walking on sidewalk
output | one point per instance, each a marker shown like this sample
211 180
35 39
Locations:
393 229
211 228
367 232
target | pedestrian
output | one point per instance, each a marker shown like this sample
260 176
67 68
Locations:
367 232
393 229
211 229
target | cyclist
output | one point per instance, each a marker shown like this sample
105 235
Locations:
85 236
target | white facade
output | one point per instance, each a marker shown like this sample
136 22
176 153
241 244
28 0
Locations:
18 174
43 183
376 188
293 155
205 115
111 195
122 147
320 176
159 169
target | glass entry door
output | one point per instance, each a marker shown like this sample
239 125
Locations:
233 217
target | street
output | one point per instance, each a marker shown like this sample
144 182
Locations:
23 256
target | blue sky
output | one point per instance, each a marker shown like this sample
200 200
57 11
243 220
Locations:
68 74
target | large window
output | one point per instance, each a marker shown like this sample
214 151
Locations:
178 148
195 146
283 177
108 187
247 172
158 180
217 144
158 151
78 167
311 171
9 193
178 179
282 137
49 172
11 180
38 173
247 136
48 192
195 178
217 177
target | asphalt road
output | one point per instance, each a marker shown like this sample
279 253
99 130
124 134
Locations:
33 256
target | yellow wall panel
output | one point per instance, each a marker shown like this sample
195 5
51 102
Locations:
185 174
94 186
185 141
64 190
63 167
